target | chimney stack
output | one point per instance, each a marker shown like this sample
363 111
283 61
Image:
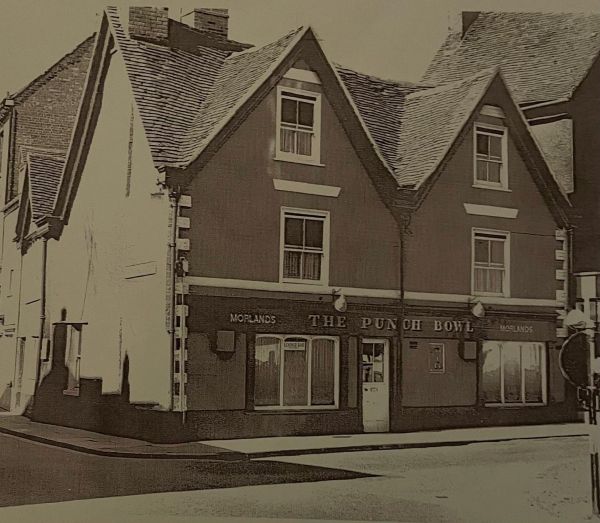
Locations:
149 23
468 17
212 21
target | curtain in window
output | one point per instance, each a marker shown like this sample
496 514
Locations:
323 372
511 358
312 266
304 143
532 372
287 139
488 280
295 374
492 392
267 371
291 264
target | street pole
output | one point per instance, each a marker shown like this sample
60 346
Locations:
593 423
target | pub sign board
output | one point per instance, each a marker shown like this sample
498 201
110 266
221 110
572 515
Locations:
246 315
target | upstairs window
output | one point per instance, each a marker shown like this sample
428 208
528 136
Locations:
298 125
305 238
490 268
490 157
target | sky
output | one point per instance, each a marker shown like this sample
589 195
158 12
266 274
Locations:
387 38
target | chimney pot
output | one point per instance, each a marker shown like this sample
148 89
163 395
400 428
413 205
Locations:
149 23
210 20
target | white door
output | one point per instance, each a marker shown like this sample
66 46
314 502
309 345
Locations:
375 385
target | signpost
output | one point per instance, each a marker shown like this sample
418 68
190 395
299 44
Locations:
584 328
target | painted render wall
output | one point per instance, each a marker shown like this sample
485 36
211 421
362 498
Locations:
439 250
235 212
9 305
109 267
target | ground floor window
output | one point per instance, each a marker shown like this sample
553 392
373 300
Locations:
514 373
296 371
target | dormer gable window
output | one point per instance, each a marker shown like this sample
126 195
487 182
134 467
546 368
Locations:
491 158
298 125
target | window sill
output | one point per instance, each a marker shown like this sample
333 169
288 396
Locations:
305 282
292 410
514 405
71 392
299 160
491 187
482 294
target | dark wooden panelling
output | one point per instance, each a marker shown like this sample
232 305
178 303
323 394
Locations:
352 372
421 388
215 381
556 382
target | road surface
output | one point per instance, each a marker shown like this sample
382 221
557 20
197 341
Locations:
531 481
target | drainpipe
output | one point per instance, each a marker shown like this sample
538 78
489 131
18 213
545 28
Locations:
40 347
403 223
175 196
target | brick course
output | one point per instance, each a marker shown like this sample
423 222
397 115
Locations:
46 114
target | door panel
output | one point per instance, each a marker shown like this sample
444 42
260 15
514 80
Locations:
375 385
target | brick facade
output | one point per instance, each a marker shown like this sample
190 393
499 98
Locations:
46 116
149 23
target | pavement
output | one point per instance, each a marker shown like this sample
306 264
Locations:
243 449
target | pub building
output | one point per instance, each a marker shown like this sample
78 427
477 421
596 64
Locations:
470 340
320 251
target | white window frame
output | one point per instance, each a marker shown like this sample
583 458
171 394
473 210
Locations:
336 378
475 231
315 157
325 217
543 372
479 128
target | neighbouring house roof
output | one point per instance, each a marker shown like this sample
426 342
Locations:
543 56
82 51
44 169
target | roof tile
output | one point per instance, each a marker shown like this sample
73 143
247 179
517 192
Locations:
543 56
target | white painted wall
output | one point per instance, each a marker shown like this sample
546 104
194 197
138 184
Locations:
10 277
107 233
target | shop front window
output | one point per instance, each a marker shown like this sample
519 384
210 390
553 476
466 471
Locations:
514 373
296 372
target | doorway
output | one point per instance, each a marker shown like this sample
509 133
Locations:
19 368
375 385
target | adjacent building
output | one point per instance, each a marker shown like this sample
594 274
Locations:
252 241
36 124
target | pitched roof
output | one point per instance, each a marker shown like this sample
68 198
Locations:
184 97
381 105
82 52
45 171
431 123
169 86
400 115
237 78
543 56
